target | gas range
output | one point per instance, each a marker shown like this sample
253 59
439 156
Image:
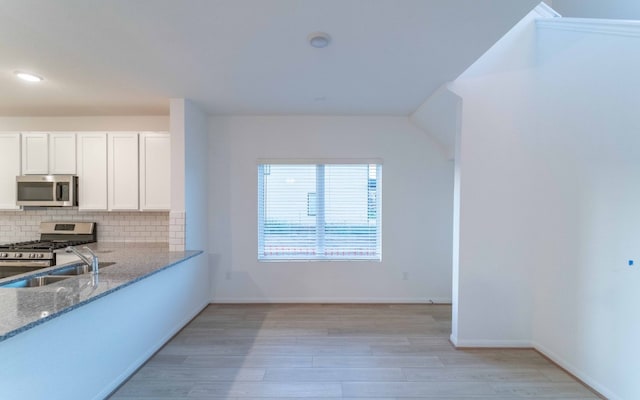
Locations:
21 257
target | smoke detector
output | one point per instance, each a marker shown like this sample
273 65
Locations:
319 40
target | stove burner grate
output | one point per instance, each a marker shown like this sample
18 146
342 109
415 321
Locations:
46 245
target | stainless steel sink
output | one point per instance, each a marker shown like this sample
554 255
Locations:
73 270
37 281
57 276
80 269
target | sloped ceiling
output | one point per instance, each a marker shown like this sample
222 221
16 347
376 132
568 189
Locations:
123 57
609 9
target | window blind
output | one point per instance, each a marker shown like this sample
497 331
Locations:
319 211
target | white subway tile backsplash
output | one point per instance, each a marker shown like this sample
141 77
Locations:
176 231
24 225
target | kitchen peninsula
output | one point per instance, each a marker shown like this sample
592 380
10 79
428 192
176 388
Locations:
49 335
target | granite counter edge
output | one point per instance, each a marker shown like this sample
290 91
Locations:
133 280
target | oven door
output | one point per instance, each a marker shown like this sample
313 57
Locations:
46 190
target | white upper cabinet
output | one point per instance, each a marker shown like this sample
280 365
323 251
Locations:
155 171
35 153
122 171
9 169
62 153
49 153
116 170
92 171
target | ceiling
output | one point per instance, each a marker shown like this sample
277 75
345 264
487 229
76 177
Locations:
610 9
124 57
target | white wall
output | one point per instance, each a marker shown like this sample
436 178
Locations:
493 306
416 202
589 140
188 224
549 196
177 127
196 168
438 116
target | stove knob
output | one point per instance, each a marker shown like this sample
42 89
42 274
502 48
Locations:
40 255
18 255
5 255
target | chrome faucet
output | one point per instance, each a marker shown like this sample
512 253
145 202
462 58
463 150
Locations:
93 263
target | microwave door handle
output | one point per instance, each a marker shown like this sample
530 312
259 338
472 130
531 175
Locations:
58 191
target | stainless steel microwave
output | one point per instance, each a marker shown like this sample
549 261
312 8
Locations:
47 190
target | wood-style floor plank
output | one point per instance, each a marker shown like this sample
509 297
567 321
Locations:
339 352
333 374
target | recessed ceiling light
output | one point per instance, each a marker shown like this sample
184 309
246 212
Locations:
319 39
25 76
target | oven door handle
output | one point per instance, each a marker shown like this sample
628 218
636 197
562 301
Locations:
26 264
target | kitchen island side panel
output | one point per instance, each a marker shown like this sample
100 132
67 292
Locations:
88 352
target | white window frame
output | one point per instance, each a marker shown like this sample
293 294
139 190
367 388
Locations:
320 213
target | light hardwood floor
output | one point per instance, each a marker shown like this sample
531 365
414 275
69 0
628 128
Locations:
296 351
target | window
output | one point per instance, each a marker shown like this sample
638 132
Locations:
319 212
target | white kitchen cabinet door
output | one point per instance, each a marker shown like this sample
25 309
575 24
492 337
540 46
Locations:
62 153
9 169
35 153
122 171
92 171
155 171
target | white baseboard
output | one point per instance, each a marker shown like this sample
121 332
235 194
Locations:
586 379
335 300
461 343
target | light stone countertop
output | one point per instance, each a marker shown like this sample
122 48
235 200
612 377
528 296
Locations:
23 308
